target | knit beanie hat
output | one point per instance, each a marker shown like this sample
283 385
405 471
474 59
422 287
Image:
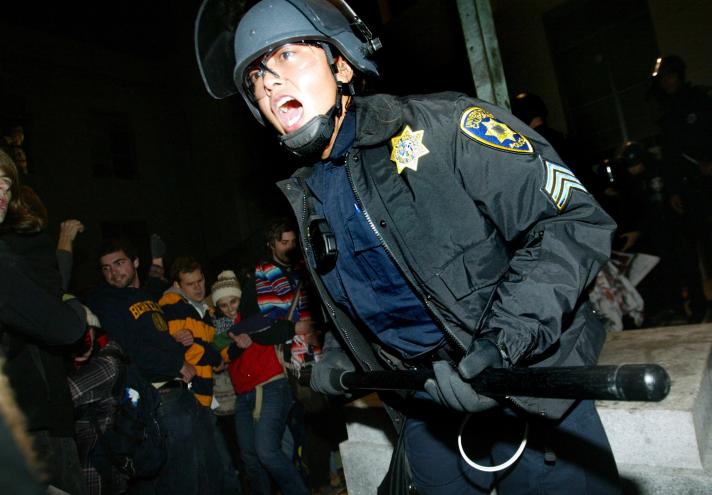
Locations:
226 285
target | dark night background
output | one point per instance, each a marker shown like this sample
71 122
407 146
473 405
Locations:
121 134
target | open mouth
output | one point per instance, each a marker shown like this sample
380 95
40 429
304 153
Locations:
289 111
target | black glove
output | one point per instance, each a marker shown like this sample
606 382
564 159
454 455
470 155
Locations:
326 373
158 247
449 387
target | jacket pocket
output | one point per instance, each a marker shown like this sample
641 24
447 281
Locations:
470 271
362 237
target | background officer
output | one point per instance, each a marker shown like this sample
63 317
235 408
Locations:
686 127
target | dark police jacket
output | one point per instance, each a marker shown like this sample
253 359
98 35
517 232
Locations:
494 234
686 127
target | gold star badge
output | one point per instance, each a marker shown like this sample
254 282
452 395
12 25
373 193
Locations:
408 147
500 131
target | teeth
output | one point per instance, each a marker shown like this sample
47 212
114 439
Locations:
283 102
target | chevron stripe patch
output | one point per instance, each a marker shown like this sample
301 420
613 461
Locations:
560 183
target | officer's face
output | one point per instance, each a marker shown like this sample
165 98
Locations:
296 85
670 82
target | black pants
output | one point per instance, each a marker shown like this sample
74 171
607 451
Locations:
60 458
564 457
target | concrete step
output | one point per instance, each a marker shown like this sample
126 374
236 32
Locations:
664 447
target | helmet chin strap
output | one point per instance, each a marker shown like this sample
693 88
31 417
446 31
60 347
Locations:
314 136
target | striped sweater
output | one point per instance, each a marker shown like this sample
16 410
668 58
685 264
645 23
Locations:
275 292
180 314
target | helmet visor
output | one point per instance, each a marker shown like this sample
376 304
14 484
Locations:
214 49
279 62
325 15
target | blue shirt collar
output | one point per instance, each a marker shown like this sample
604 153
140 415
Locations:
342 144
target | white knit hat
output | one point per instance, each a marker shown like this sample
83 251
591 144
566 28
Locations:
226 285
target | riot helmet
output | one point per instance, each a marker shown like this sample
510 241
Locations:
268 25
632 153
668 76
670 64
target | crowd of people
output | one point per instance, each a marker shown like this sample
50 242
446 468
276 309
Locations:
214 366
457 251
219 364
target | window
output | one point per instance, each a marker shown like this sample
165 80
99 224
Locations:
135 231
113 150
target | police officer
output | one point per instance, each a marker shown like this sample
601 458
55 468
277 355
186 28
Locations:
685 124
440 232
648 224
645 198
686 127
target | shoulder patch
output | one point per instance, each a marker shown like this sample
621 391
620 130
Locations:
560 183
480 125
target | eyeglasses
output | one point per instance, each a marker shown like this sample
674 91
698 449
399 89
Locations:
283 60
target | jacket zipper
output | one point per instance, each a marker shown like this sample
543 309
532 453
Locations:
420 291
329 307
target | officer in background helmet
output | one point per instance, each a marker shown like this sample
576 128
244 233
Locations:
650 225
643 199
668 75
440 232
686 125
685 130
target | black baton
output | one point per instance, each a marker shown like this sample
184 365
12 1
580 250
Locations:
625 382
